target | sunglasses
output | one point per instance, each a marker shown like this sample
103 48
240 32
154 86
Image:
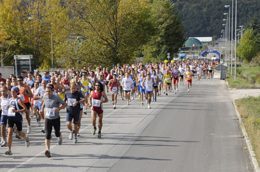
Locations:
97 85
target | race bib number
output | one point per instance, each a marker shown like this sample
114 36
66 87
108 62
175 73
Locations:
50 112
71 102
10 111
149 88
4 111
96 103
114 89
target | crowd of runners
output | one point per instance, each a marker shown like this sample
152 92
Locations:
43 96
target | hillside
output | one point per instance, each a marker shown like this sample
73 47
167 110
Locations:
205 17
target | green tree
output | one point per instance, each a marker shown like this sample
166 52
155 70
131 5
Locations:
169 35
247 48
11 30
114 30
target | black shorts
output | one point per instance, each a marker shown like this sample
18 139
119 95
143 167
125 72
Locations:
73 114
210 71
17 120
28 105
49 123
127 91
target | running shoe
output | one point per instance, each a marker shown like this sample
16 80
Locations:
114 106
43 131
3 143
17 136
60 140
99 134
38 123
47 154
9 152
76 140
27 142
71 135
94 131
28 129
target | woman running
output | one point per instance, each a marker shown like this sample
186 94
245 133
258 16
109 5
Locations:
96 99
114 86
14 116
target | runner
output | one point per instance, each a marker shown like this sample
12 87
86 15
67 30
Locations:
15 108
4 102
182 71
96 99
175 78
51 106
188 76
73 100
156 81
26 94
114 86
167 81
141 88
36 104
38 95
148 85
85 89
127 84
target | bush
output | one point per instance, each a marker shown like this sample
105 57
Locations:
256 60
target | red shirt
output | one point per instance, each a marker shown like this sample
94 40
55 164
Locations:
2 80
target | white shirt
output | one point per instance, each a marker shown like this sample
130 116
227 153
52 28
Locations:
148 84
4 105
127 83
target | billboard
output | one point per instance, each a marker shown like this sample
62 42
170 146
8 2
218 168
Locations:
22 63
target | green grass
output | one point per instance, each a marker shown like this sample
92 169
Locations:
247 77
249 109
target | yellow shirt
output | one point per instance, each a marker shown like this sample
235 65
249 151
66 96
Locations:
188 75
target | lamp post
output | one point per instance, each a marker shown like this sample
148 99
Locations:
230 37
235 47
52 52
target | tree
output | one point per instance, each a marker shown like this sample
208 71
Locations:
169 35
247 48
114 30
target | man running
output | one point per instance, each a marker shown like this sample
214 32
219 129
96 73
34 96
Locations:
73 100
127 84
51 106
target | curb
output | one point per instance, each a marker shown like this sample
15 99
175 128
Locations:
248 142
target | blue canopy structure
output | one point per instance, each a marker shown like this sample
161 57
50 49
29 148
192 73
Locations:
216 53
182 55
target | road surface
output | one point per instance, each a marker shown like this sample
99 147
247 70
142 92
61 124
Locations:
196 131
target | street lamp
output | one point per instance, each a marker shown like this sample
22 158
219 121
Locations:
52 52
230 35
235 48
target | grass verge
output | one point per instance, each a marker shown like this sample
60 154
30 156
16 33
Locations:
247 77
249 109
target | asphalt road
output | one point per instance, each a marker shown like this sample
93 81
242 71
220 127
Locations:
196 131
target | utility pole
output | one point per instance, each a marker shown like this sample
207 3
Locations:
52 56
235 48
232 36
